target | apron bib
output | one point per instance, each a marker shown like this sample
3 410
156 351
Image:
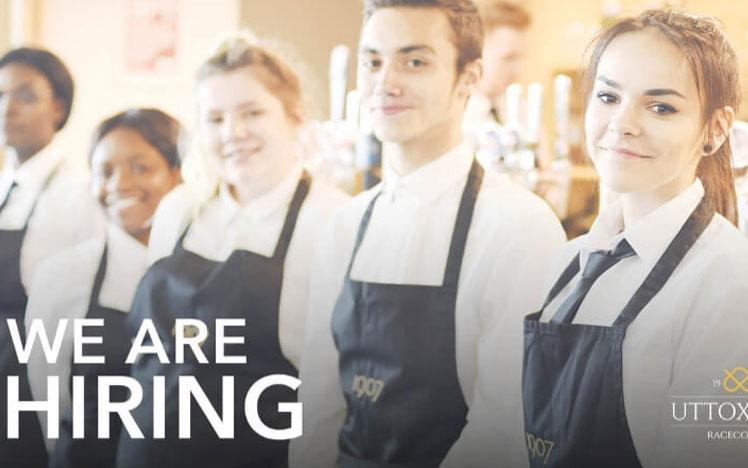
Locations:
398 364
185 285
92 452
572 378
29 449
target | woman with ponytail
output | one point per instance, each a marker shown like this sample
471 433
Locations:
234 242
647 312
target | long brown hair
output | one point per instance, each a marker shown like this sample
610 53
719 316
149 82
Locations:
714 64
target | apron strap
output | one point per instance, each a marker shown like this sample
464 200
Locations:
302 190
5 201
569 273
47 181
655 281
281 248
687 236
459 234
99 278
462 225
180 241
14 185
362 227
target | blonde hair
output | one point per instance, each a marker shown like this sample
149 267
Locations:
234 51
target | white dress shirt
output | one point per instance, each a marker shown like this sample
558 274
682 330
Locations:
224 226
741 189
686 337
65 215
62 289
512 235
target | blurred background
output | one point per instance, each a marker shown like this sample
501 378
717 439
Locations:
125 53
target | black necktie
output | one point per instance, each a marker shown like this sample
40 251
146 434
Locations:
597 263
7 195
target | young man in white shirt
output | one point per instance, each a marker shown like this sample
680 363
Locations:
426 312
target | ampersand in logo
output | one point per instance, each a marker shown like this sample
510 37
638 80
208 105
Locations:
736 380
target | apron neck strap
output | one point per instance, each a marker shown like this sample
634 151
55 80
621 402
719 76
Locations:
663 269
281 248
3 203
99 278
687 236
459 233
302 190
362 228
462 224
46 183
180 242
569 273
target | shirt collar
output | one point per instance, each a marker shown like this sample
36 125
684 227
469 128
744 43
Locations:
479 105
33 173
429 182
125 247
268 203
649 236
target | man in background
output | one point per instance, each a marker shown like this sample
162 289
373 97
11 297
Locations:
505 28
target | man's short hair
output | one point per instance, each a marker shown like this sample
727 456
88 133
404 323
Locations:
463 17
504 14
52 68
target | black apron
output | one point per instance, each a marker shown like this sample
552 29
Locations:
572 379
29 449
397 362
185 285
91 451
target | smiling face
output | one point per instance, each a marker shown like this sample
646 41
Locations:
29 111
247 132
130 177
407 75
644 123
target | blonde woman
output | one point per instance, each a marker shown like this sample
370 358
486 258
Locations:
235 242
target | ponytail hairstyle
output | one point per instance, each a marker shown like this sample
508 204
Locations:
715 69
236 51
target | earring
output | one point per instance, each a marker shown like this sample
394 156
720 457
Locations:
708 146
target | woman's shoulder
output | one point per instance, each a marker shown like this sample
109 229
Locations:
64 280
324 198
82 256
179 199
171 218
725 247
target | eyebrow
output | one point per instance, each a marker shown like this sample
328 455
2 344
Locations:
245 104
26 85
649 92
403 50
239 106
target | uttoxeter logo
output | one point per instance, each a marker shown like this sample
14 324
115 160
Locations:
721 413
736 380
